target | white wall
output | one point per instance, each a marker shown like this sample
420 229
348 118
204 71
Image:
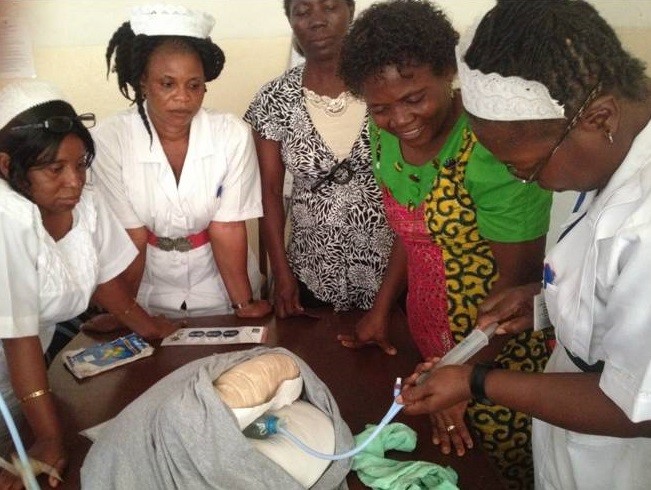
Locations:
69 38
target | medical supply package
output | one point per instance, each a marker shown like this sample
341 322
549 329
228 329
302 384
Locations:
96 359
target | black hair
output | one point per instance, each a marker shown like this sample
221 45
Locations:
287 4
398 33
31 148
563 44
132 53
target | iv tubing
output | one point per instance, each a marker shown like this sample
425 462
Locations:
392 412
27 474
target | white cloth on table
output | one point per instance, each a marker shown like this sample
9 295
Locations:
599 299
219 182
44 282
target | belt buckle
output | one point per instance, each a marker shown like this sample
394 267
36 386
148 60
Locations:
180 244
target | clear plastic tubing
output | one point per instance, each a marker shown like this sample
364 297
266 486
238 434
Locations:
268 425
271 425
27 474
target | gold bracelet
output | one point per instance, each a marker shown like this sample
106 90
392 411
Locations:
130 308
35 394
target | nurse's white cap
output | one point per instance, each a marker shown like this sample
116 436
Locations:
171 20
18 97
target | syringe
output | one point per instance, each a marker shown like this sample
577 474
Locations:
464 350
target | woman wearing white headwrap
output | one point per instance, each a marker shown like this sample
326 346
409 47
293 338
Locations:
552 92
59 246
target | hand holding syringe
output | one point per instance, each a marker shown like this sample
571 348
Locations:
464 350
268 424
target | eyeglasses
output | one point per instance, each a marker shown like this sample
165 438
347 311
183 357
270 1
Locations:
341 173
59 124
592 95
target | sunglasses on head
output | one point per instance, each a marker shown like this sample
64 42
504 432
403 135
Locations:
59 124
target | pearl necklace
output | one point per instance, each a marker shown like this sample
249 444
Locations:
331 107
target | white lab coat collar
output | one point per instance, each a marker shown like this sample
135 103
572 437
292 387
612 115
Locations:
622 188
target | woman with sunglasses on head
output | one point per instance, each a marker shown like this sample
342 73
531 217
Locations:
306 123
466 227
59 245
567 106
182 179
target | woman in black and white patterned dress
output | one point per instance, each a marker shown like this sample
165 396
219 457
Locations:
306 122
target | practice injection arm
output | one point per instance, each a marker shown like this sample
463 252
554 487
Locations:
464 350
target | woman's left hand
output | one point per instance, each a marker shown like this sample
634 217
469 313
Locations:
255 309
449 429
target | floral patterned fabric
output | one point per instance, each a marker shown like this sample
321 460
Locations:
340 240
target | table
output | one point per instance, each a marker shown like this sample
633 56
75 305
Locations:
360 380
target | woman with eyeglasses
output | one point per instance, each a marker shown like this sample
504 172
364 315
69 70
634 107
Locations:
571 109
182 179
307 123
60 246
466 227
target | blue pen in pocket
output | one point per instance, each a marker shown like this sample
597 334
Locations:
548 275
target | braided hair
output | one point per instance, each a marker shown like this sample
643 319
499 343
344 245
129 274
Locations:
132 53
398 33
563 44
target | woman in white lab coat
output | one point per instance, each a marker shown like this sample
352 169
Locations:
552 92
181 179
60 245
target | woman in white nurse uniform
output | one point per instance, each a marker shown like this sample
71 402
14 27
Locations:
181 179
59 246
551 91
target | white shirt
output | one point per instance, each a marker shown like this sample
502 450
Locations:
44 282
599 299
220 182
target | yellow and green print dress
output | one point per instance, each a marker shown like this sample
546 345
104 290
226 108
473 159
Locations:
446 212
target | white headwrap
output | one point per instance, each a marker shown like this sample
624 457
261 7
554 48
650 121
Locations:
496 98
20 96
171 20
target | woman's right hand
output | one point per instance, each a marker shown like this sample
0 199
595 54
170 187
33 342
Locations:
256 309
49 451
512 308
373 328
163 327
286 297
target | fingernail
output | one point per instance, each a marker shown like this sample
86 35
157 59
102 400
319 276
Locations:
435 441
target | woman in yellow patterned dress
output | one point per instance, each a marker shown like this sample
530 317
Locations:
466 227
